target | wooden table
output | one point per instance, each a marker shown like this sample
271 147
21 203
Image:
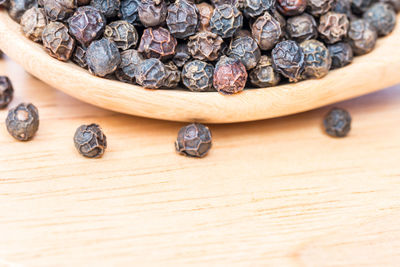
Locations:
270 193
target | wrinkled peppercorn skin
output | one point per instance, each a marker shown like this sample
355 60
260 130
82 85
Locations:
122 33
151 74
246 50
317 59
301 28
128 68
17 8
230 76
341 54
337 122
23 121
102 57
182 55
109 8
173 76
79 57
205 13
333 27
194 140
264 75
319 7
157 43
86 25
59 10
152 12
205 46
362 36
267 31
288 60
33 22
254 8
182 19
382 17
129 11
197 76
226 21
57 41
90 141
291 7
6 91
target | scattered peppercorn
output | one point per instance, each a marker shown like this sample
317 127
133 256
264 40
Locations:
194 140
197 76
337 122
230 76
90 141
264 75
57 41
341 54
317 59
205 46
6 91
301 28
23 121
362 36
102 57
246 50
33 22
182 19
288 60
157 43
382 17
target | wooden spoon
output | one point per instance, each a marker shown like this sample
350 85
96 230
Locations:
374 71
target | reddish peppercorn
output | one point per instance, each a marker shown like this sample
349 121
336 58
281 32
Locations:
205 12
230 76
157 43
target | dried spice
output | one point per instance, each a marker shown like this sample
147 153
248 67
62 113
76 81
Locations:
102 57
87 24
17 8
122 33
226 20
151 74
205 12
288 60
362 36
59 9
23 121
337 122
394 3
194 140
341 54
197 76
230 76
246 50
182 19
291 7
152 12
205 46
301 28
182 55
33 22
267 31
130 61
109 8
6 91
79 56
360 6
264 75
319 7
82 2
382 17
254 8
57 41
5 3
173 76
157 43
90 141
333 27
342 6
317 59
129 11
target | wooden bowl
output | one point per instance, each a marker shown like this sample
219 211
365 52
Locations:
368 73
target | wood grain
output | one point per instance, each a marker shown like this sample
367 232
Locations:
270 193
368 73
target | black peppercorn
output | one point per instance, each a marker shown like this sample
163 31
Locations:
57 41
267 31
182 55
129 11
109 8
341 54
130 61
6 91
288 60
152 12
102 57
122 33
317 59
230 76
197 76
157 43
337 122
246 50
301 28
205 12
360 6
33 22
173 76
59 9
90 141
382 17
254 8
264 75
226 20
291 7
182 19
394 3
79 56
205 46
319 7
23 121
151 74
362 36
333 27
194 140
342 6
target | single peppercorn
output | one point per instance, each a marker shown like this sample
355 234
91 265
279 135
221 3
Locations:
17 8
152 12
291 7
317 59
87 24
341 54
264 75
122 33
90 141
333 27
23 121
362 36
226 20
182 19
254 8
197 76
57 41
79 57
6 91
194 140
382 17
288 60
129 11
230 76
246 50
173 76
33 22
109 8
102 57
151 74
319 7
157 43
337 122
130 61
59 9
301 28
205 13
182 55
267 31
205 46
360 6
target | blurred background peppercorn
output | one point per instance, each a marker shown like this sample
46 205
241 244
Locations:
6 91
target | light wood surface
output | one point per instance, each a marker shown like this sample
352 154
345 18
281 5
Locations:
368 73
270 193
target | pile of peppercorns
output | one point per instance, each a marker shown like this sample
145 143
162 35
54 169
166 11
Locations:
206 45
